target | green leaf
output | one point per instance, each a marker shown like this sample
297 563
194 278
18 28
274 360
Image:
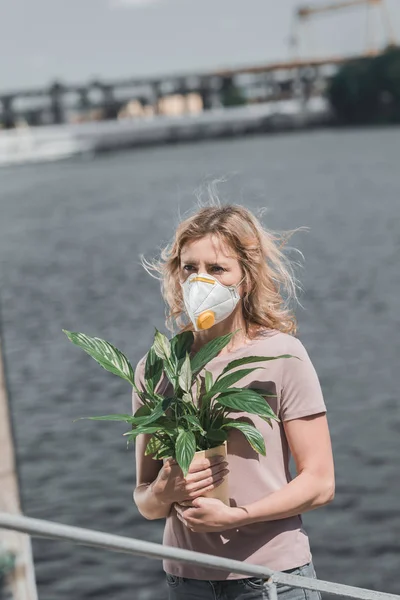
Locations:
162 425
164 452
185 375
262 392
252 435
209 351
250 359
170 374
268 420
208 380
217 435
247 401
166 402
259 391
181 344
108 357
153 370
166 424
223 384
126 418
142 411
185 449
188 403
155 414
153 446
148 429
161 345
193 420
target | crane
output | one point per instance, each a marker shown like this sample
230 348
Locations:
304 13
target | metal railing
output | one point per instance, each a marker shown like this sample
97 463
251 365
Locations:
118 543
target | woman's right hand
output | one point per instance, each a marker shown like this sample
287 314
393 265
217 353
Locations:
204 475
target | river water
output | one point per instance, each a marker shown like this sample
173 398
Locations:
70 238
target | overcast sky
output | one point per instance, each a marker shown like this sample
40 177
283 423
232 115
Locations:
77 40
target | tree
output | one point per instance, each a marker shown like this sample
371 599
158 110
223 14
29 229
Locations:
367 90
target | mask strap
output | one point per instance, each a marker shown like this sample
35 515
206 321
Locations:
243 278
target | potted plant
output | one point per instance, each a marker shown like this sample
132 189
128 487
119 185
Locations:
180 427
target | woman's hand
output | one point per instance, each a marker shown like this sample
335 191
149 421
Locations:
208 514
170 486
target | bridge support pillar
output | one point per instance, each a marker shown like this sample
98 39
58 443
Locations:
56 99
8 117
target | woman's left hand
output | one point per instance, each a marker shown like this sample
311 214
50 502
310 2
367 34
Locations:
208 514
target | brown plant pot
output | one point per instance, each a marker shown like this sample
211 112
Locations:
222 491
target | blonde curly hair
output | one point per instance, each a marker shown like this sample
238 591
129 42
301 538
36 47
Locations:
269 275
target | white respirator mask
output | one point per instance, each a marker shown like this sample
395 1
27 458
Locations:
207 300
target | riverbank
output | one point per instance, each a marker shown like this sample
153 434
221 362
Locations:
44 144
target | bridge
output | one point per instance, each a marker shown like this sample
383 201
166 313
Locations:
103 99
257 83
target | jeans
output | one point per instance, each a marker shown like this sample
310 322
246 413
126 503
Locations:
252 588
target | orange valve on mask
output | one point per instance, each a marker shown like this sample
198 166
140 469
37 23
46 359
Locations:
206 319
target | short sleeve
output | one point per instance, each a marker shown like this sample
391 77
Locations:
139 381
301 393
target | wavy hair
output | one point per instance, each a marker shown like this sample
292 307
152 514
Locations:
269 276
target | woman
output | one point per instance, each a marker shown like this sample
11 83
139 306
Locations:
227 245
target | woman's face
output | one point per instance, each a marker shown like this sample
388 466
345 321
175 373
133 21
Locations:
210 255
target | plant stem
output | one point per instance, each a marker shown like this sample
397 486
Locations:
219 412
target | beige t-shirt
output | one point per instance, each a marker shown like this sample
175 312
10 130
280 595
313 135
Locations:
281 544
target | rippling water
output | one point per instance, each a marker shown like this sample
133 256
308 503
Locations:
70 238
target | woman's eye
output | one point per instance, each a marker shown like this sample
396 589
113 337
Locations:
215 268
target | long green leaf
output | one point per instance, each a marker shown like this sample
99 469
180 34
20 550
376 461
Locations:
167 424
181 344
247 401
223 384
107 355
161 345
209 351
170 373
217 435
258 391
140 420
185 449
149 429
193 420
208 380
126 418
155 414
252 435
142 411
153 370
185 375
162 425
250 359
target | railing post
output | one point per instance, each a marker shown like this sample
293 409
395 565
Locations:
272 591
